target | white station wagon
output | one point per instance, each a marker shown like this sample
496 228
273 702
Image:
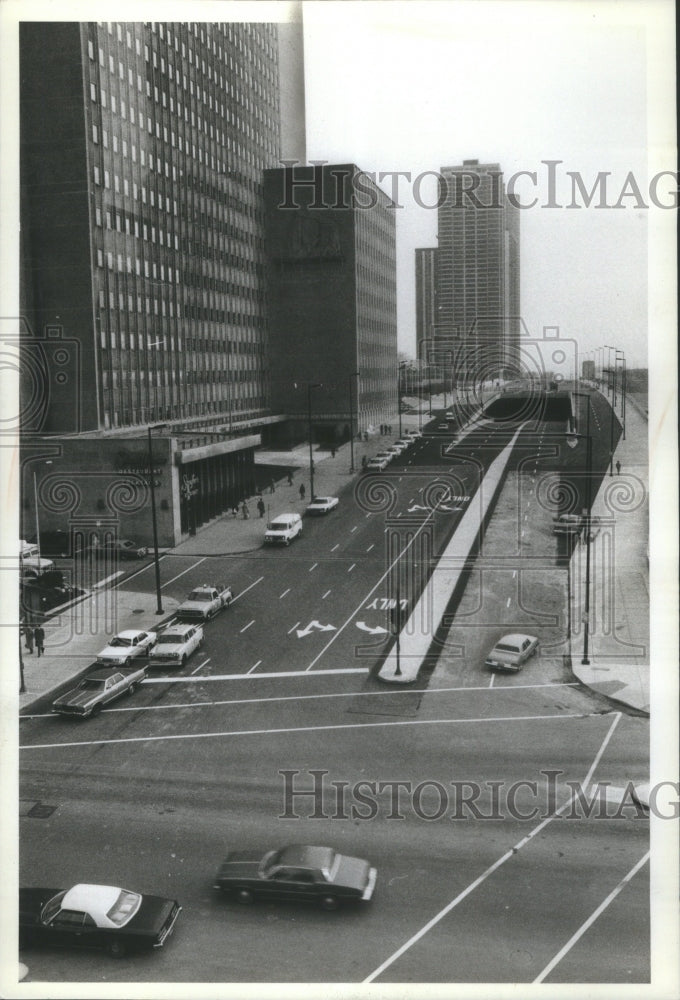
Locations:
175 645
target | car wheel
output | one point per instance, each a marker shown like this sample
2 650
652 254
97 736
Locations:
183 661
244 896
96 710
288 541
116 949
329 903
132 688
126 663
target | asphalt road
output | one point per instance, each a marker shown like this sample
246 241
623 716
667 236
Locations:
479 879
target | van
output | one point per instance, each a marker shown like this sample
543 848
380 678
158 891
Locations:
28 550
283 529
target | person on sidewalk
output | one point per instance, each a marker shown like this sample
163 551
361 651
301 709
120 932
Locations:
618 468
28 638
302 491
272 487
260 507
333 451
39 636
245 513
290 478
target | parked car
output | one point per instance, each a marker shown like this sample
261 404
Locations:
126 646
283 529
385 454
35 568
511 652
413 432
394 450
175 644
28 550
121 547
402 443
573 524
322 505
314 874
95 916
96 690
204 602
376 464
443 426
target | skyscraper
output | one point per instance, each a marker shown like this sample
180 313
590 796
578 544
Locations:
477 269
426 299
143 148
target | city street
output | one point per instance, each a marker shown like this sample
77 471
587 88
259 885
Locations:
153 792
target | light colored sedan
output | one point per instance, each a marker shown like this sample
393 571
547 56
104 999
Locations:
175 644
376 464
322 505
511 652
127 645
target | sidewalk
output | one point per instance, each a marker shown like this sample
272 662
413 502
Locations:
619 605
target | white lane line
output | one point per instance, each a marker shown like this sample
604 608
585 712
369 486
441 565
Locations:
387 693
312 567
325 595
107 579
507 603
335 547
254 666
491 681
193 566
492 868
205 662
247 626
315 729
293 628
371 546
351 567
249 587
287 591
149 565
592 918
369 513
353 529
514 573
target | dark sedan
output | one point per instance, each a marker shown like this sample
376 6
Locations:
95 916
297 872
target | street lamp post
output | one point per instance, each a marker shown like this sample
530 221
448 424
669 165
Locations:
351 420
310 386
571 441
159 605
622 355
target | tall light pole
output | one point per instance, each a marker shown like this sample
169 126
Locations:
159 605
400 368
572 440
310 386
351 419
623 389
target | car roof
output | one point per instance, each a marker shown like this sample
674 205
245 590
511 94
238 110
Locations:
96 900
130 633
100 675
515 637
304 856
322 499
179 627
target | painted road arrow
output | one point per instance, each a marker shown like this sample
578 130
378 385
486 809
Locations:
373 631
301 632
416 506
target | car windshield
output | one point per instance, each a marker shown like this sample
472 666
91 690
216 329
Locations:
505 647
170 639
199 595
121 640
51 908
92 682
125 907
277 526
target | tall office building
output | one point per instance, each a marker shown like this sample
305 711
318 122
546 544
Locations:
426 299
143 148
331 244
478 260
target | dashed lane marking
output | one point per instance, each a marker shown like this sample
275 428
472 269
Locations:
335 547
193 566
287 591
312 567
351 567
200 666
247 626
254 666
353 529
249 587
371 546
325 595
293 628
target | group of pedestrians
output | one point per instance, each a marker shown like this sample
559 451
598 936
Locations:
385 429
34 636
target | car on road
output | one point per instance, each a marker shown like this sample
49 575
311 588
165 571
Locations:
573 524
204 602
97 689
442 426
175 644
511 652
403 443
413 432
322 505
377 464
283 529
126 646
95 916
386 455
297 872
121 547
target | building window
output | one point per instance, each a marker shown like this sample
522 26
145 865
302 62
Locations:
96 175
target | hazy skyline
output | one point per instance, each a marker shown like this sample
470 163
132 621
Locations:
416 86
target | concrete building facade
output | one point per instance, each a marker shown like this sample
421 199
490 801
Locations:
331 250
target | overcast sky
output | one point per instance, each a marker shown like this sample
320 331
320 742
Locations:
415 86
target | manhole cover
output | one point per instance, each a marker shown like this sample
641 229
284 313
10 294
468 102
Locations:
41 811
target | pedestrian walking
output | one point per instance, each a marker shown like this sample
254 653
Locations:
272 487
28 638
39 636
618 468
333 451
382 430
302 491
260 506
234 510
364 461
245 513
290 478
